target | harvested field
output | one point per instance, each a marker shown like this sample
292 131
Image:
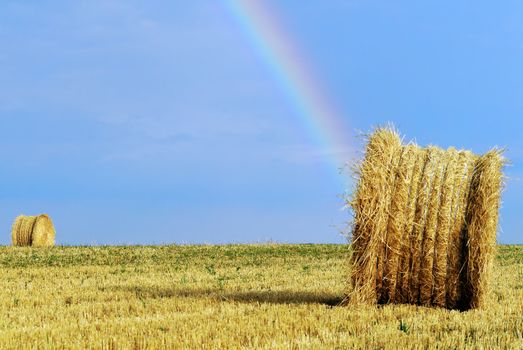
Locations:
230 297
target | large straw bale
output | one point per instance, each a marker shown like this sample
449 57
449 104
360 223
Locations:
37 231
425 222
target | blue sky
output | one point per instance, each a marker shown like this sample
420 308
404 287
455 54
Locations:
157 122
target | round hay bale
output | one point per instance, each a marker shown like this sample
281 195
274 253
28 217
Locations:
425 222
36 231
43 232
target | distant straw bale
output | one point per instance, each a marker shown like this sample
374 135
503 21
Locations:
36 231
425 222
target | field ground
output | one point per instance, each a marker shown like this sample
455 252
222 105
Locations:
237 296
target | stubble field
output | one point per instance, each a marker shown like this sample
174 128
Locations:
227 297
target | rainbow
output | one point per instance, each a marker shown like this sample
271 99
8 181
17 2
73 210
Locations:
302 87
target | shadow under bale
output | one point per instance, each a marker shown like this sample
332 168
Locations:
271 297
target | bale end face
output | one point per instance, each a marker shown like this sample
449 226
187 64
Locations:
43 232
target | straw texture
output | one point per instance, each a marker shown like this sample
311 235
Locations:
36 231
43 232
425 222
371 224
